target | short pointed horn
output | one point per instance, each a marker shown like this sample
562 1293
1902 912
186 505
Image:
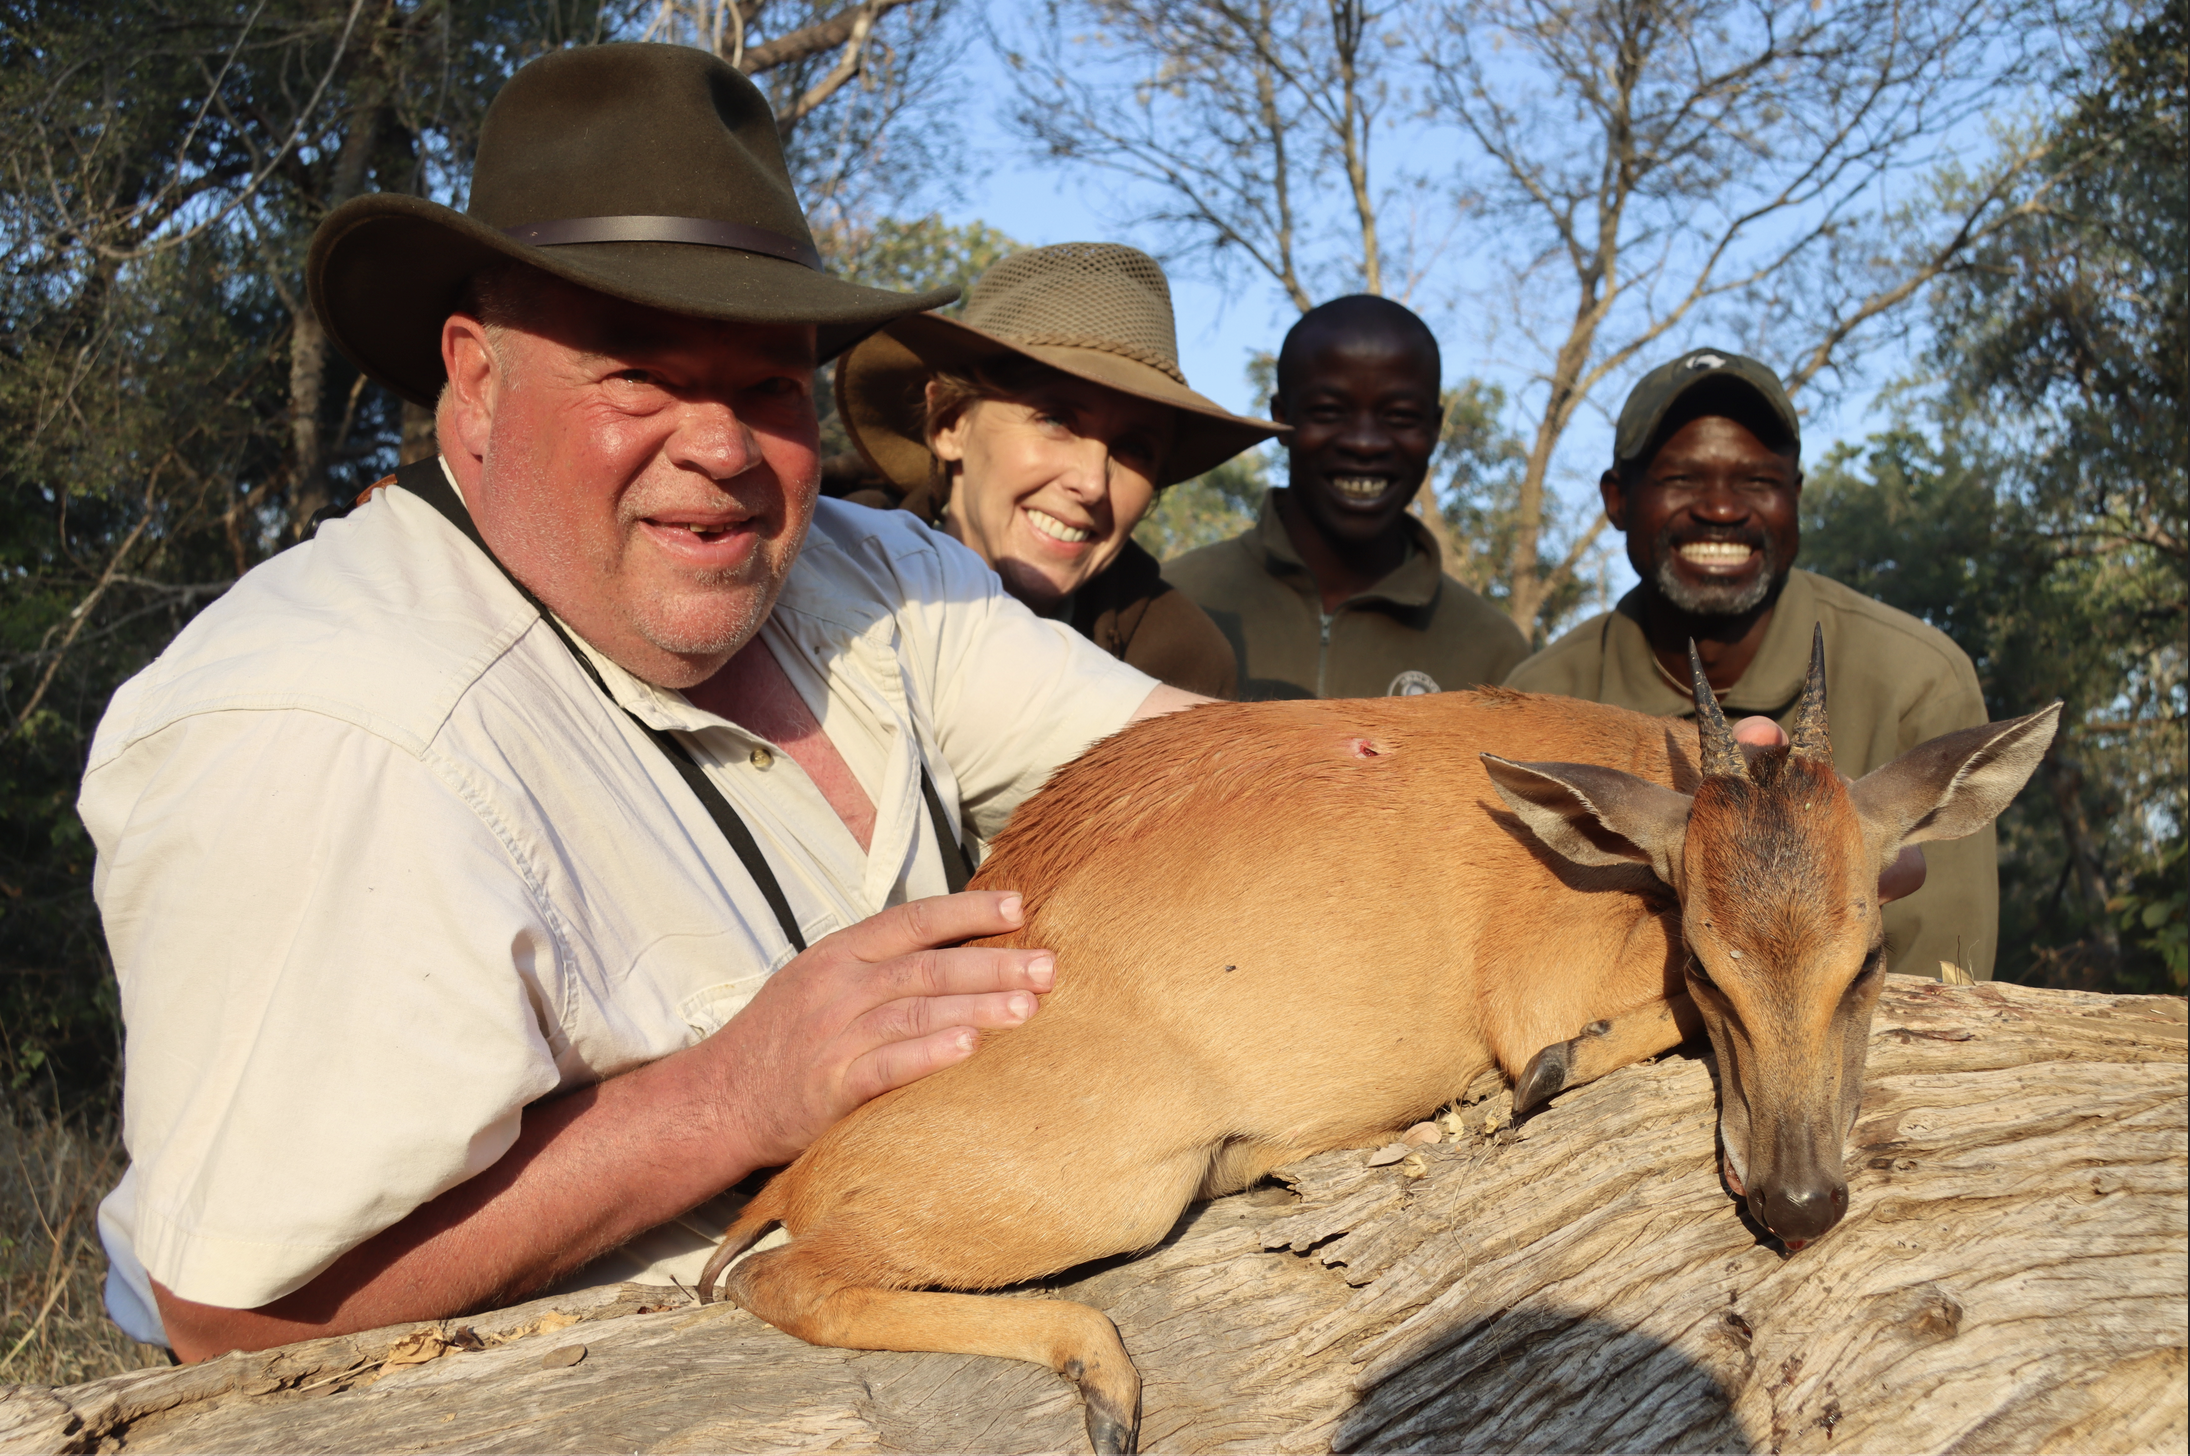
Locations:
1721 754
1810 739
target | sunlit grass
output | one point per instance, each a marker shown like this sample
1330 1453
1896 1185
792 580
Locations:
53 1326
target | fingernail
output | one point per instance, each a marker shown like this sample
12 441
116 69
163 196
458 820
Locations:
968 1039
1022 1006
1042 971
1012 908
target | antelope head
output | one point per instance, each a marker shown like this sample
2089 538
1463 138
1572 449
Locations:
1776 861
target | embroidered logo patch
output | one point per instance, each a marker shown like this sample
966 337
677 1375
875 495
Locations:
1706 361
1412 684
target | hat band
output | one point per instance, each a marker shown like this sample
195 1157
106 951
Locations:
706 231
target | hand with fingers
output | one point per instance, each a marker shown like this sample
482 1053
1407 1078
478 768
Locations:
872 1007
1902 878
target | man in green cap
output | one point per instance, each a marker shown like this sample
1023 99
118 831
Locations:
1337 592
1706 482
565 831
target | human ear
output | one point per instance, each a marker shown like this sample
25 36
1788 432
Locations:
1277 409
464 416
949 441
1615 499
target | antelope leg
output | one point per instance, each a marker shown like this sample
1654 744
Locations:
1646 1031
798 1294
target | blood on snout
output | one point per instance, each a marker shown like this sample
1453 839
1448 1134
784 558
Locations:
1361 748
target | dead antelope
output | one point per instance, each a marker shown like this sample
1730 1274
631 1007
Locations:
1287 927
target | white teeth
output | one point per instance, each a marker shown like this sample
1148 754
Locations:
1360 487
1716 553
1057 530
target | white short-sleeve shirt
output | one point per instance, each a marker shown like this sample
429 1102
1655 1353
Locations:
379 865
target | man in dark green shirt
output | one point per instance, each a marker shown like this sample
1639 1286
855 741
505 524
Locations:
1337 592
1705 483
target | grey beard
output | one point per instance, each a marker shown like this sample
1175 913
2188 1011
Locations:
1718 601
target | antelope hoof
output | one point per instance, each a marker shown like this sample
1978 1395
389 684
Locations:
1113 1416
1542 1079
1109 1435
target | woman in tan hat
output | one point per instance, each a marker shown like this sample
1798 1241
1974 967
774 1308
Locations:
1038 429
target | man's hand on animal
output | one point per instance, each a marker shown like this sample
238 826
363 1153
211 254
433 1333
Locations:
868 1009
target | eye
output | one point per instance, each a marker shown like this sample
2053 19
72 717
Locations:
634 376
1696 972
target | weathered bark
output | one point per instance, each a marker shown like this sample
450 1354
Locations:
2011 1277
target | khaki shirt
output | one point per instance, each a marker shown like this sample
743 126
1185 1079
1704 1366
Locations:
1891 683
380 866
1416 631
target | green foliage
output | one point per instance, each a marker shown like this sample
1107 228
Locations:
2040 520
1211 507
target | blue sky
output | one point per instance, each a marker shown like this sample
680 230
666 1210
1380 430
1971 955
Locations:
1002 181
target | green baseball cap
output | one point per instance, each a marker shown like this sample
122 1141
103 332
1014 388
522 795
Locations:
1653 398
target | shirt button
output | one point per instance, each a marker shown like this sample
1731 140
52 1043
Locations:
761 758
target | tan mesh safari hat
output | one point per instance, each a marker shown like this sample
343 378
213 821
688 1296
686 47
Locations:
1096 311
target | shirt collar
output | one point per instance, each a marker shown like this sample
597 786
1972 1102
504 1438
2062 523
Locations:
1413 583
1770 685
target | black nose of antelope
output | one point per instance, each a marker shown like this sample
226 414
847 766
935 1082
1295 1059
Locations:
1797 1213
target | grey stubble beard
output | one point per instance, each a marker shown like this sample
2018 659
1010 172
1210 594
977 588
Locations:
1717 601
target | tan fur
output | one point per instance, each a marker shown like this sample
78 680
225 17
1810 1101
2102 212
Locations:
1287 927
1238 986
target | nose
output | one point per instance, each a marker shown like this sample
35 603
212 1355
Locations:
710 438
1364 436
1720 505
1087 480
1800 1210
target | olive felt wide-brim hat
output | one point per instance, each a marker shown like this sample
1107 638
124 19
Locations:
650 173
1096 311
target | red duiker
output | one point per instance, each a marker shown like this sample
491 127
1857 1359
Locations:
1287 927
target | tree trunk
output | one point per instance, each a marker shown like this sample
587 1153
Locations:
2011 1277
419 441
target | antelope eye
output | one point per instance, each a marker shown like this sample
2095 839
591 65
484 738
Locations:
1697 972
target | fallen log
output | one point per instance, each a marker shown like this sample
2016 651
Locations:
2011 1277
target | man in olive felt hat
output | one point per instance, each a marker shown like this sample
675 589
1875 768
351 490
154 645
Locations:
562 833
1705 481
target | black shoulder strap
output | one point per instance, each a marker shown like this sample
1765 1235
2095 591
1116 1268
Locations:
425 480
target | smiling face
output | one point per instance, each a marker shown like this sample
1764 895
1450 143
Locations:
647 475
1711 518
1047 486
1364 410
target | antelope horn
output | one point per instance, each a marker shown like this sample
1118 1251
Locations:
1721 754
1810 739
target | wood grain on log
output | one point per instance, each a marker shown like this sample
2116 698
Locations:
2011 1277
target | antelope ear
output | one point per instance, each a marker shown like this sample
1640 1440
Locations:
1595 816
1953 785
